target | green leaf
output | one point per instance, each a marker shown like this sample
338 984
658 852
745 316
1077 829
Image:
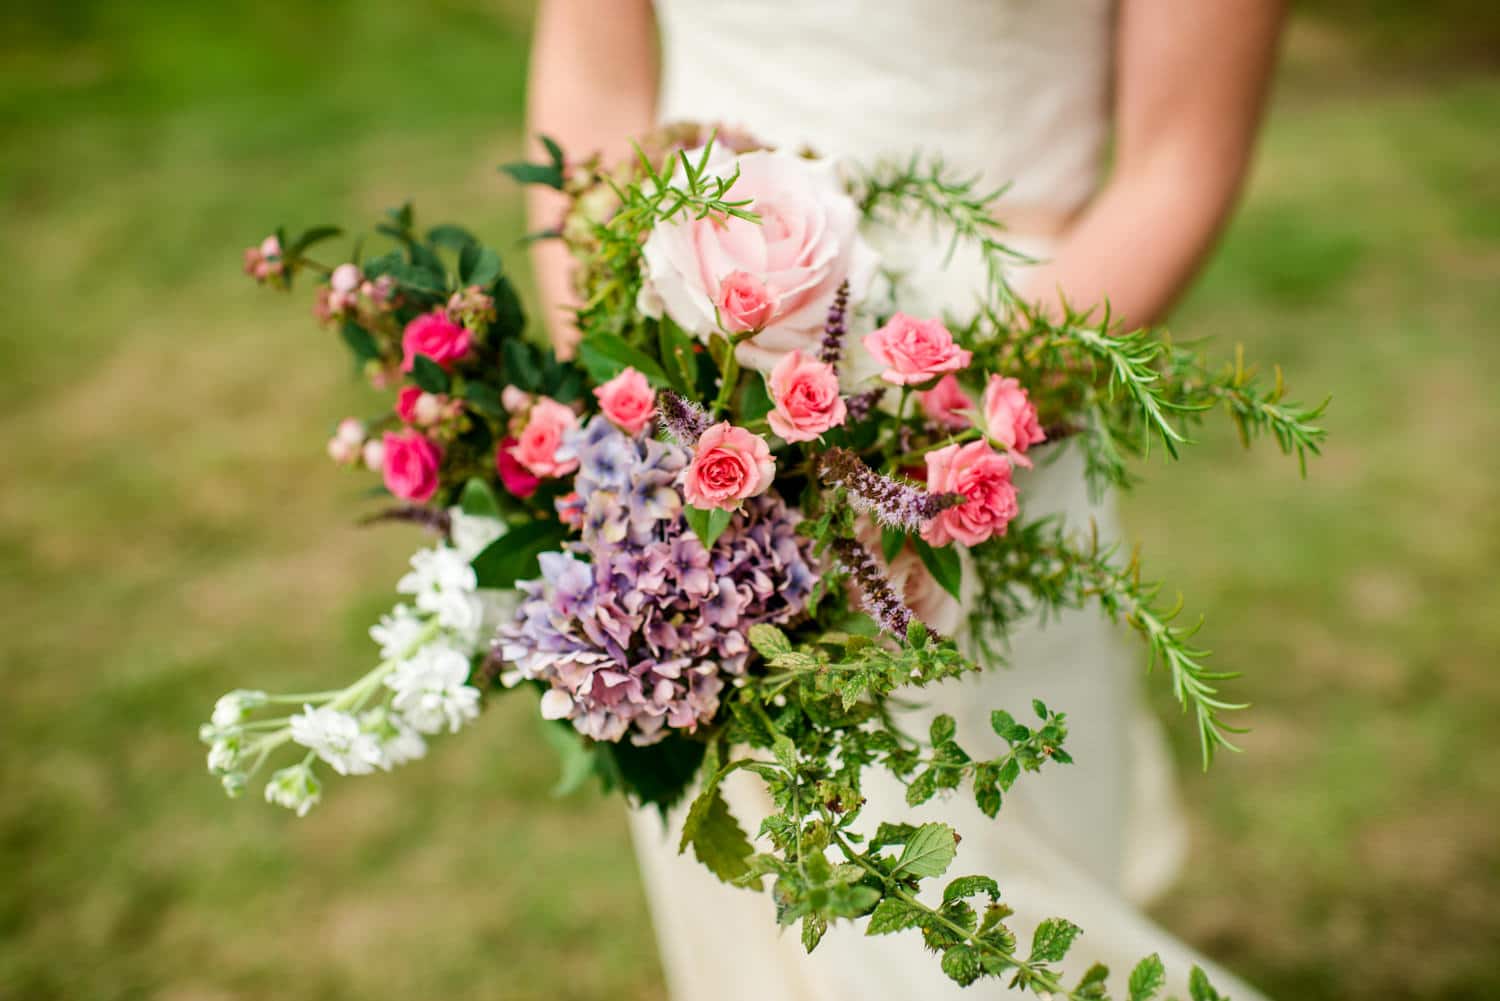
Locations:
892 834
942 729
717 838
891 541
478 499
968 886
785 751
534 173
755 400
1148 978
450 236
478 265
929 852
577 758
708 524
513 556
987 798
678 357
944 565
429 375
892 915
553 150
1052 940
814 926
606 355
961 964
484 398
769 641
1200 989
658 775
419 278
308 238
360 341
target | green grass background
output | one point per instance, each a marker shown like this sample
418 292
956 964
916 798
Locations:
169 527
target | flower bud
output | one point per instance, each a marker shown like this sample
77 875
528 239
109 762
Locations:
351 430
342 451
427 410
514 399
295 788
374 455
345 278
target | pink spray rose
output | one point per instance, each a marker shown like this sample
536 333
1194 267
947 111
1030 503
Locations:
915 351
536 449
627 400
437 337
410 465
981 475
805 392
744 302
729 465
264 262
513 476
805 244
406 403
1010 417
947 404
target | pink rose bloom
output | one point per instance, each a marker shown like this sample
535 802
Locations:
805 392
437 337
410 465
806 243
947 404
539 442
1010 417
729 465
406 403
627 400
982 475
744 302
915 351
513 476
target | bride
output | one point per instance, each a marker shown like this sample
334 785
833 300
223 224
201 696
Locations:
1123 130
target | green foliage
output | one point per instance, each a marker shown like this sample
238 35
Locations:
605 355
514 555
1147 979
715 836
707 523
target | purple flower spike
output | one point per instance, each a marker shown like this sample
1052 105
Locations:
832 348
894 503
683 419
860 405
879 600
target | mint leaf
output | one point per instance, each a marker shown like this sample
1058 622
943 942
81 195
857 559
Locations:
717 838
1148 977
1052 940
929 852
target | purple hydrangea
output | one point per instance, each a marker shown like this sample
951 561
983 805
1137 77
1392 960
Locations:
636 625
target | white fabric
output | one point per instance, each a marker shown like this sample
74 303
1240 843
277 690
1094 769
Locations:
1016 90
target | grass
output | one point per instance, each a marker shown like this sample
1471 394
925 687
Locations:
169 528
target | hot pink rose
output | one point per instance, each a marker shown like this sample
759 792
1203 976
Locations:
805 392
406 403
627 400
437 337
744 302
537 447
1010 417
729 465
915 351
410 465
982 475
513 476
947 404
804 245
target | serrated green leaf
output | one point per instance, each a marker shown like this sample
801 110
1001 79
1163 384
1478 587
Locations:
892 834
769 641
961 964
929 852
716 837
892 915
968 886
1052 940
921 788
814 926
988 799
479 499
942 729
708 524
1148 978
944 565
429 375
1200 989
785 751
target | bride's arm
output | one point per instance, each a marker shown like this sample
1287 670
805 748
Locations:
592 87
1190 82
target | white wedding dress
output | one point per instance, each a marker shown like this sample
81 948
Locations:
1016 90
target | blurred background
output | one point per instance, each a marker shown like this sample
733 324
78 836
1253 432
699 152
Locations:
170 528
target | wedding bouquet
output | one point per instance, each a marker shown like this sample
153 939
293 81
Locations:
737 527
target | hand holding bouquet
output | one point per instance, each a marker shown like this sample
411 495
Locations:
746 518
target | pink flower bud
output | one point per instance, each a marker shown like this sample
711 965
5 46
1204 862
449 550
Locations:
427 410
351 430
342 451
270 247
345 278
374 455
514 400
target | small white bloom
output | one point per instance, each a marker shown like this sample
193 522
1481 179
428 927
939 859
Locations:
295 788
431 690
472 533
336 738
231 709
399 743
441 568
396 632
460 611
224 755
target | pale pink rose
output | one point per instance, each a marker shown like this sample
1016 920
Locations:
729 465
805 244
514 399
406 403
437 337
744 302
1010 418
410 465
536 449
627 400
982 476
374 455
915 351
352 430
513 476
947 404
428 409
805 392
345 278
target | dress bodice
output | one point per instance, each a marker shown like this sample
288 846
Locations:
1015 90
